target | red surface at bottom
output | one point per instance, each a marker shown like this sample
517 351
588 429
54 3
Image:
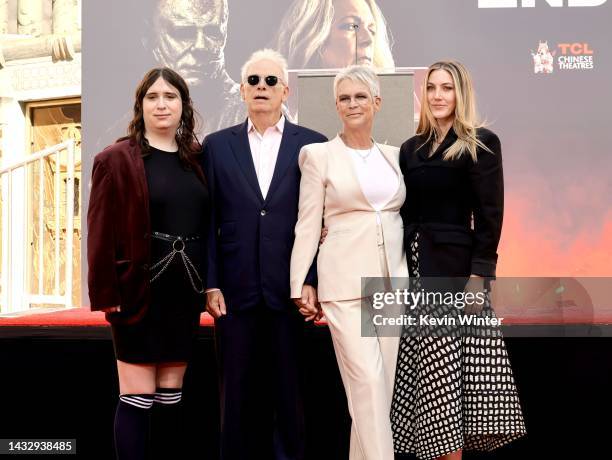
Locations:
71 317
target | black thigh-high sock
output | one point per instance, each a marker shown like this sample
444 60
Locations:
132 426
167 438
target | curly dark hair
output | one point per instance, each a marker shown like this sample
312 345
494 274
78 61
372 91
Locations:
188 145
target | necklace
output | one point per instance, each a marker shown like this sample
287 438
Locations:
363 156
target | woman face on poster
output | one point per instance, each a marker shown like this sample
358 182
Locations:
351 38
334 34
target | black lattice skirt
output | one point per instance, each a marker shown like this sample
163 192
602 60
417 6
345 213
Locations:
453 392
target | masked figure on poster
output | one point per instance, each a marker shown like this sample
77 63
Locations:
189 36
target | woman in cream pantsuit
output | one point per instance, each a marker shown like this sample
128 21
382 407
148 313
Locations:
356 187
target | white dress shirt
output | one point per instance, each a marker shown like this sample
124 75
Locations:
264 149
379 181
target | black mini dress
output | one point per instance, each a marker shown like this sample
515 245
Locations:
179 206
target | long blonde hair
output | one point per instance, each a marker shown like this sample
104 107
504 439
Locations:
307 24
466 120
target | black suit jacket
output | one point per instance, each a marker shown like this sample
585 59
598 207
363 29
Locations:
443 196
249 249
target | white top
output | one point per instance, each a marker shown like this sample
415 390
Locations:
379 181
264 149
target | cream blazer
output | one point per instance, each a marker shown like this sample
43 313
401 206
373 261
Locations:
330 192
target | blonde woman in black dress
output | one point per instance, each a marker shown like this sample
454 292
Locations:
453 392
147 225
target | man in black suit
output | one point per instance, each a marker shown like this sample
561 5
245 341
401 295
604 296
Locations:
254 179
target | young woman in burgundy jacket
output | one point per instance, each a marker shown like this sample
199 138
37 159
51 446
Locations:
147 225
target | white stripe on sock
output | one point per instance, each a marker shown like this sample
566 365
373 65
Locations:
137 401
168 398
167 395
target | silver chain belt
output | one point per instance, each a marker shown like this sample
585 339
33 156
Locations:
178 247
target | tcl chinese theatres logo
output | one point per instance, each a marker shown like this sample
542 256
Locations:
572 56
575 56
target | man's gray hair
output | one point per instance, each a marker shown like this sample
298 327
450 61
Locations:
360 74
266 54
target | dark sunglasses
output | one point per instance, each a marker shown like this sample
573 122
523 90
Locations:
271 80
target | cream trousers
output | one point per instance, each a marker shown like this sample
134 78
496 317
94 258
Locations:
367 368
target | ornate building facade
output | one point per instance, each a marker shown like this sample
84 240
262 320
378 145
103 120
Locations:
40 138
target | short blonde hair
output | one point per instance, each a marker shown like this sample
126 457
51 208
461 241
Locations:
360 74
266 54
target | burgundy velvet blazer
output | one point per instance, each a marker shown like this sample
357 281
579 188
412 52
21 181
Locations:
119 233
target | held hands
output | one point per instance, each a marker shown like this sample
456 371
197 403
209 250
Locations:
308 305
215 303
